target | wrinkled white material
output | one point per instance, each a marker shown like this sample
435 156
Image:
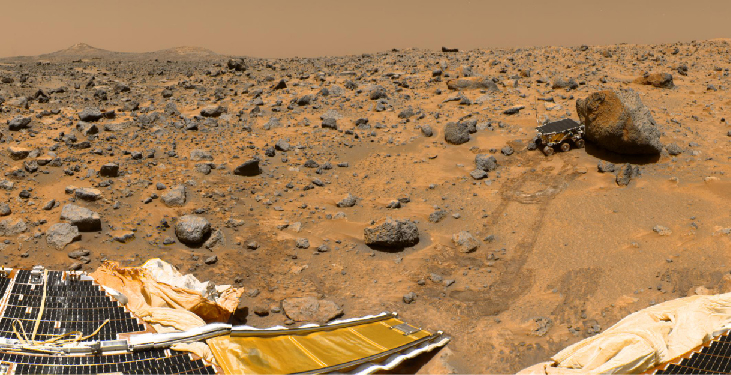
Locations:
644 339
166 273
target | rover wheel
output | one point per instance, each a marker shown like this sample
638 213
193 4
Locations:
579 143
548 150
565 146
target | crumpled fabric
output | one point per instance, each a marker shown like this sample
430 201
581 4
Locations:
146 289
644 339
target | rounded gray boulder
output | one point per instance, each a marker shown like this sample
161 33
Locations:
192 230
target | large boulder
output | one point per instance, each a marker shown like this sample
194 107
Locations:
619 122
192 230
456 133
83 218
62 234
472 83
310 309
660 80
392 233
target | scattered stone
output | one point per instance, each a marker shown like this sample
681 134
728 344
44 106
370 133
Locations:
427 130
109 170
61 234
485 162
249 168
349 201
409 298
478 174
605 167
176 197
465 242
213 111
192 230
673 149
562 83
392 233
5 209
88 194
310 309
456 133
472 83
83 218
626 173
302 243
19 123
659 80
91 114
8 228
437 216
662 230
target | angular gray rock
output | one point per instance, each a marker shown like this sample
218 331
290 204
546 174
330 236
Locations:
175 197
249 168
83 218
88 194
619 122
456 133
562 83
392 233
485 162
659 80
427 130
61 234
213 111
109 170
192 230
472 83
627 173
8 228
349 201
19 123
91 114
465 242
310 309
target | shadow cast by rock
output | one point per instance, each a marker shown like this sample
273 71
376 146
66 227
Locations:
613 157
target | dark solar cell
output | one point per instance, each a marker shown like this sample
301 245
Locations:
78 306
713 358
147 362
558 126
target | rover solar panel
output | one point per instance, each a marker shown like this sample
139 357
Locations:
69 305
54 322
558 126
713 357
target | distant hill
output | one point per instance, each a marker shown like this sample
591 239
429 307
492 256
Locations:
83 51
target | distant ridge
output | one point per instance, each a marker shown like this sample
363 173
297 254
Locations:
83 51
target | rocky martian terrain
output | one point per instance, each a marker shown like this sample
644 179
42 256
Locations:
403 181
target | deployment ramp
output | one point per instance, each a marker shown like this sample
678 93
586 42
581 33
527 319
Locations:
362 346
55 322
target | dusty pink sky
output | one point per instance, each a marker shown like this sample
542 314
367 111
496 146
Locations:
277 28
